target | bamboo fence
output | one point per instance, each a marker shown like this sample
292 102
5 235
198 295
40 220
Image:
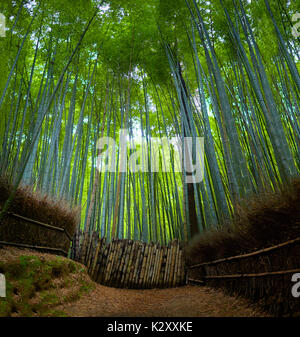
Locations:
130 264
19 232
263 276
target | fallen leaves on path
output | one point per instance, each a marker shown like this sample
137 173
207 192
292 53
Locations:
188 301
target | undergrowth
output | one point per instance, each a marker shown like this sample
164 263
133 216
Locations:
36 285
266 219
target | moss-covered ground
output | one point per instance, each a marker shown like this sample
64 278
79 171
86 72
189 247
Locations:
37 283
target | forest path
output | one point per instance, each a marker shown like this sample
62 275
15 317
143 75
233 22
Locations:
187 301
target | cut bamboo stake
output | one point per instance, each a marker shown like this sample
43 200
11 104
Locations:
77 247
101 268
84 248
124 263
177 265
117 264
91 256
127 264
120 262
138 266
154 265
163 266
146 248
183 274
159 268
96 258
148 264
131 264
151 269
110 259
167 264
175 274
172 265
115 260
89 252
124 260
156 258
130 267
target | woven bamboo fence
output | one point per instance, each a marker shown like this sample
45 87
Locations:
128 263
20 231
263 276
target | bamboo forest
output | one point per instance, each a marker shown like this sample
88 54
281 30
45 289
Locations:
79 78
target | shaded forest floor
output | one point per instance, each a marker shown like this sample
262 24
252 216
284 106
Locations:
40 284
187 301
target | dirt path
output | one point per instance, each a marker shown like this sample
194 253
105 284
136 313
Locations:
188 301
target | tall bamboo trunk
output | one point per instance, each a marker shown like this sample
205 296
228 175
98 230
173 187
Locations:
190 187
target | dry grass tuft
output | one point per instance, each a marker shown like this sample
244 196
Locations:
39 207
261 221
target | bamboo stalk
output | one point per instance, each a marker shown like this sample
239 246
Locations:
61 251
110 258
148 265
132 262
175 274
182 269
88 248
137 269
73 251
93 245
122 263
159 267
196 281
242 256
172 266
76 244
102 265
151 271
35 222
127 263
116 262
133 271
130 266
172 260
167 263
96 257
103 259
77 252
83 247
178 274
163 266
155 265
274 273
142 273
